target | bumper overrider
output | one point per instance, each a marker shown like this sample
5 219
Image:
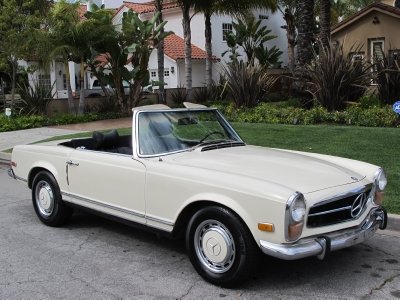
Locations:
321 246
11 173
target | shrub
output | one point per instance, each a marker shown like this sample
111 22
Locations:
36 99
177 96
247 83
337 77
388 77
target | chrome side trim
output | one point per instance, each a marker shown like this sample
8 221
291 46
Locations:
126 211
22 179
160 221
339 239
130 212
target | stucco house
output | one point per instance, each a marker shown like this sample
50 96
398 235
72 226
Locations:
374 27
174 45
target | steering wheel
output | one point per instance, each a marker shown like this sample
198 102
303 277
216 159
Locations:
211 133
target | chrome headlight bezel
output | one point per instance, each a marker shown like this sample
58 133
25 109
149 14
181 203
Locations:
380 180
294 216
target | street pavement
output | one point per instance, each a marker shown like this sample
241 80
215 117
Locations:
95 258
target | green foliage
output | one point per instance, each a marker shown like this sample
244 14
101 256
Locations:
369 102
268 58
250 36
16 122
267 113
247 84
292 102
36 99
388 77
337 78
177 96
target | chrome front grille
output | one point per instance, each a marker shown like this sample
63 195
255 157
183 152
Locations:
340 208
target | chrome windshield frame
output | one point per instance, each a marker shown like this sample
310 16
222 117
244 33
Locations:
135 130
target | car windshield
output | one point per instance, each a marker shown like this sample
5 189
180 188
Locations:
180 130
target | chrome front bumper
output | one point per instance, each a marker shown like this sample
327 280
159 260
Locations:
321 246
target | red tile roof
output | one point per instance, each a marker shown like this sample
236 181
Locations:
373 6
174 47
82 11
142 8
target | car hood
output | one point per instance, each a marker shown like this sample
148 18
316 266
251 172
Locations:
293 170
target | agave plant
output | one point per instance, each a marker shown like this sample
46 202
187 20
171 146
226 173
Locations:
248 84
337 77
35 99
388 77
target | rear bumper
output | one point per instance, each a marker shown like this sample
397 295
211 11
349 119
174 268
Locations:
11 173
321 246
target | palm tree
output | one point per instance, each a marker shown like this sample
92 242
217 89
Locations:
236 8
160 53
56 42
325 23
186 5
289 12
305 9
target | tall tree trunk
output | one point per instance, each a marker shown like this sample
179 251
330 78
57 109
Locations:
208 45
291 38
325 23
396 3
71 103
305 9
188 52
14 66
160 55
81 108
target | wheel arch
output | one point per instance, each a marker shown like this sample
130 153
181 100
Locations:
189 210
34 171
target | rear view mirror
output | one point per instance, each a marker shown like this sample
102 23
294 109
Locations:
188 121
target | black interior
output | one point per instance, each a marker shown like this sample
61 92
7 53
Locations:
108 142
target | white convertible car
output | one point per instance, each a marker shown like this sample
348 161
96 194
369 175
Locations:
187 173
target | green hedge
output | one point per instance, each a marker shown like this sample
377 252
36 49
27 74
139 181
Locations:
26 122
355 115
264 113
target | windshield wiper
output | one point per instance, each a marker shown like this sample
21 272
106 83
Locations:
211 142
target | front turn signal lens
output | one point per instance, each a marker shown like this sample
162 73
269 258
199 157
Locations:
266 227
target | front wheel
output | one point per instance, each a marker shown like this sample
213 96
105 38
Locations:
221 247
47 200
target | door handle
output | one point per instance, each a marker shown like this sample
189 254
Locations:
69 162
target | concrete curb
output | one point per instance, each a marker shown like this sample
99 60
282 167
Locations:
393 220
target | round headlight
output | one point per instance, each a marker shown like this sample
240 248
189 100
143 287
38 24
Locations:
298 209
380 180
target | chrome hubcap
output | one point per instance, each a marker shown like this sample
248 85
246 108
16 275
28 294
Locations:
214 246
44 198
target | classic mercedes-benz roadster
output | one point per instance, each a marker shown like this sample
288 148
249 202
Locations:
187 173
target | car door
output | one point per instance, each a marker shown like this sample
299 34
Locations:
108 182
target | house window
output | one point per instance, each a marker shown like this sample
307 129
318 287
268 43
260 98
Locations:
153 74
45 81
394 55
226 29
263 17
377 49
166 73
65 81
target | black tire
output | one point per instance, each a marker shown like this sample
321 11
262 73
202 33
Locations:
47 200
231 255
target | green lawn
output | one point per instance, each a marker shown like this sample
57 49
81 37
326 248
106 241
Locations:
379 146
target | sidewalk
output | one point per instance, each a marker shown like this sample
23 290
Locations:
12 138
20 137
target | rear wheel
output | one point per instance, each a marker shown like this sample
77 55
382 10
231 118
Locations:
221 247
47 200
